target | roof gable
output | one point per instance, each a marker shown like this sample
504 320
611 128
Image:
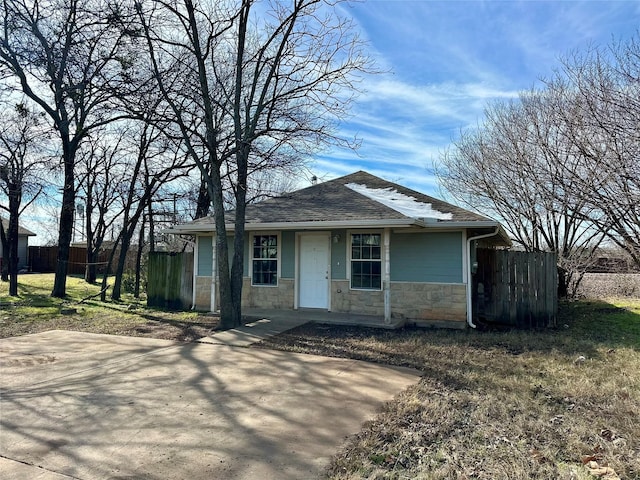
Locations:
358 196
23 232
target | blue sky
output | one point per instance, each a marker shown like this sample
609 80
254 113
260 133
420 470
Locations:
446 60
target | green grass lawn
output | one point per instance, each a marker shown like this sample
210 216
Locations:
34 310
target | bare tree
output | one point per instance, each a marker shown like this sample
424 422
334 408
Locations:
255 86
263 184
603 85
69 57
155 161
513 166
21 135
560 165
102 171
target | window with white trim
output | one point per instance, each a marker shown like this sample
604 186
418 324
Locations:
264 260
366 261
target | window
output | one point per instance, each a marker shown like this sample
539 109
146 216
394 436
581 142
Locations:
366 264
265 260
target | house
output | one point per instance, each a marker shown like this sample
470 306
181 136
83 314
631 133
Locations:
23 243
356 245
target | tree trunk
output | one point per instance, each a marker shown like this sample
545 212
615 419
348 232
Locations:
66 223
4 243
125 242
563 284
9 238
238 239
136 292
152 239
12 234
116 291
203 204
107 270
90 273
229 315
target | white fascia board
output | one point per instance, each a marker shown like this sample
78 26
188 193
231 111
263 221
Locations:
394 222
469 224
208 229
189 230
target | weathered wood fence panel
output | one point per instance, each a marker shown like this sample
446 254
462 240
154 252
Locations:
170 280
516 288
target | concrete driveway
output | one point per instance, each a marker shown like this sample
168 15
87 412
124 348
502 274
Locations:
86 406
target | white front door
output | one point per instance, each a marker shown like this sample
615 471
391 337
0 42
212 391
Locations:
314 271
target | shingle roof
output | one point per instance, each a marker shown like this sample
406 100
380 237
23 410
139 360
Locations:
21 230
334 201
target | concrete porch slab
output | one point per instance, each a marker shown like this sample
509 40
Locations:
323 316
254 331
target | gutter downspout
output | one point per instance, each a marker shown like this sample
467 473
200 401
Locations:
386 276
195 273
469 282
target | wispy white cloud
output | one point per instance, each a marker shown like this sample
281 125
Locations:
446 61
449 100
405 127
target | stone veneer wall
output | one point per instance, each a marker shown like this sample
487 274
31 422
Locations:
429 301
281 297
362 302
203 293
411 301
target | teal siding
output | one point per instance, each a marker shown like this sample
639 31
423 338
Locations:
339 255
415 257
205 256
426 257
288 254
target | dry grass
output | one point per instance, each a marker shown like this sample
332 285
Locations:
490 405
34 310
497 405
610 285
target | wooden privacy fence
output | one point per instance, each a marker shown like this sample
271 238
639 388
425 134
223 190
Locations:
170 280
44 259
516 288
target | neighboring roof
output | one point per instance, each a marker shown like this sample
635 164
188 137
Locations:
21 230
359 199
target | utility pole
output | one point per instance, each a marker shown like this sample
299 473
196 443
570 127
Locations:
175 210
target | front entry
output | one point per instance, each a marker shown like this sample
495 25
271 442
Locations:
314 271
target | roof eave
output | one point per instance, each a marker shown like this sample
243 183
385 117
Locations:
309 225
333 224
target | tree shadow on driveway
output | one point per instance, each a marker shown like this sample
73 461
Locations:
100 406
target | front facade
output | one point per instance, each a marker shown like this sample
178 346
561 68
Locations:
355 245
